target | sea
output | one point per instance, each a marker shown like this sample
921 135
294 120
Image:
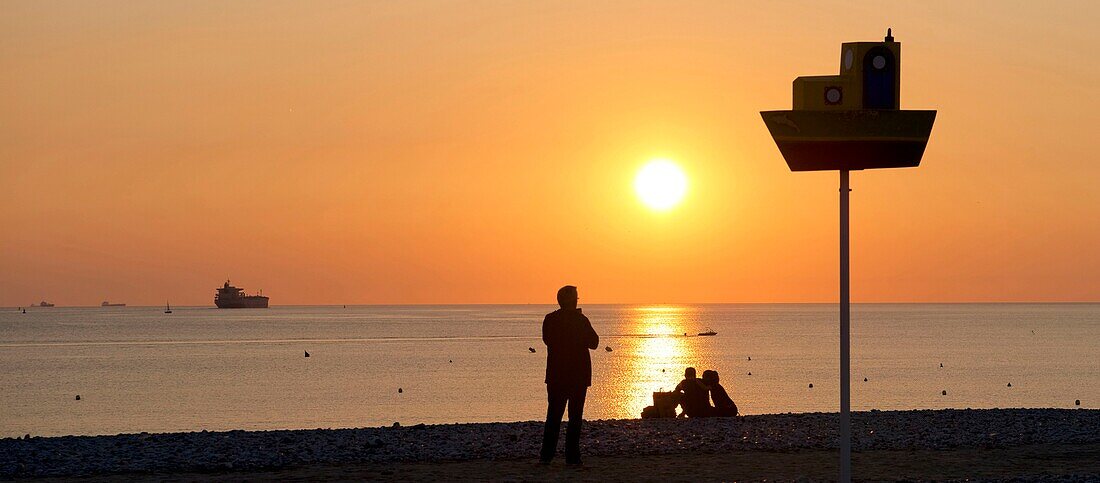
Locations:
136 369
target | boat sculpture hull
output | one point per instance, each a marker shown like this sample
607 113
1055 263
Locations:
856 139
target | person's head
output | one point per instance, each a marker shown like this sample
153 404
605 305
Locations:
710 377
567 297
689 373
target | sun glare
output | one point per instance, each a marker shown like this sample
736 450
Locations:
660 184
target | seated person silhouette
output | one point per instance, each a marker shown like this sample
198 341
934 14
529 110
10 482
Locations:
723 404
693 395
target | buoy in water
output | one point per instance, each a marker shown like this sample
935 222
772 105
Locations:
941 364
944 393
1077 402
307 353
399 390
532 349
811 385
750 373
78 397
865 379
1010 384
608 348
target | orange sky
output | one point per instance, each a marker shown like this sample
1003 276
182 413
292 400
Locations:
483 152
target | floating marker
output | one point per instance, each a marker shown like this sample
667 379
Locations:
608 348
944 392
78 397
1010 384
1077 402
865 379
307 353
811 385
399 390
532 349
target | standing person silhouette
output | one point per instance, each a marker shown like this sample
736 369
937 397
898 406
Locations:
568 336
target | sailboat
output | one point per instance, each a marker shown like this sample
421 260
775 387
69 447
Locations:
167 307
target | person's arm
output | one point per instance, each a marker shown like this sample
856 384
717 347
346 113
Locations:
591 338
548 332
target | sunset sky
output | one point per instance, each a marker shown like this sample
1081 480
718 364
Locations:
485 152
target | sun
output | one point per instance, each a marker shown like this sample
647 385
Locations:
660 184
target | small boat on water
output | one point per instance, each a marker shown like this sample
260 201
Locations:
708 333
167 307
108 304
43 304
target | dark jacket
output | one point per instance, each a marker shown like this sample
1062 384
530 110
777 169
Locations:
693 397
721 399
568 336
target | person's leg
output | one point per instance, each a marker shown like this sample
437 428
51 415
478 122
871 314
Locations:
555 408
725 412
573 430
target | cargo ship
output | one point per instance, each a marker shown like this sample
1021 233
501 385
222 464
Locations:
108 304
42 304
230 297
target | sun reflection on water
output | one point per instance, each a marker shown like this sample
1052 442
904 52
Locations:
657 356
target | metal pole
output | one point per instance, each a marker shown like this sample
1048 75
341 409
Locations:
845 356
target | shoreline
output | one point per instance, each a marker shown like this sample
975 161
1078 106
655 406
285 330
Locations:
254 451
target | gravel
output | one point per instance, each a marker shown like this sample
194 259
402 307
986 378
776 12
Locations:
251 450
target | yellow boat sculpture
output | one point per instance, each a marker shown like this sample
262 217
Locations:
852 120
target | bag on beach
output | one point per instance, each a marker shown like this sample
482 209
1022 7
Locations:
665 404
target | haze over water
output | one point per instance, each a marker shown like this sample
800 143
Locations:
137 369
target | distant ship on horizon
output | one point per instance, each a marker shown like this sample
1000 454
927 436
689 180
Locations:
108 304
42 304
230 297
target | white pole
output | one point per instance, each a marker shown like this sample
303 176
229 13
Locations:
845 356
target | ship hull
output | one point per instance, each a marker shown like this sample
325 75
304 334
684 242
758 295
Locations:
863 139
251 302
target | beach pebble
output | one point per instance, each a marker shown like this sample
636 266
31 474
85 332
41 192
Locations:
608 348
1077 402
96 457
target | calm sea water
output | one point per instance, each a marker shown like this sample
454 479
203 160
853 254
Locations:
137 369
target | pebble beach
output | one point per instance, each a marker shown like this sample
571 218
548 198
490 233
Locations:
255 451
